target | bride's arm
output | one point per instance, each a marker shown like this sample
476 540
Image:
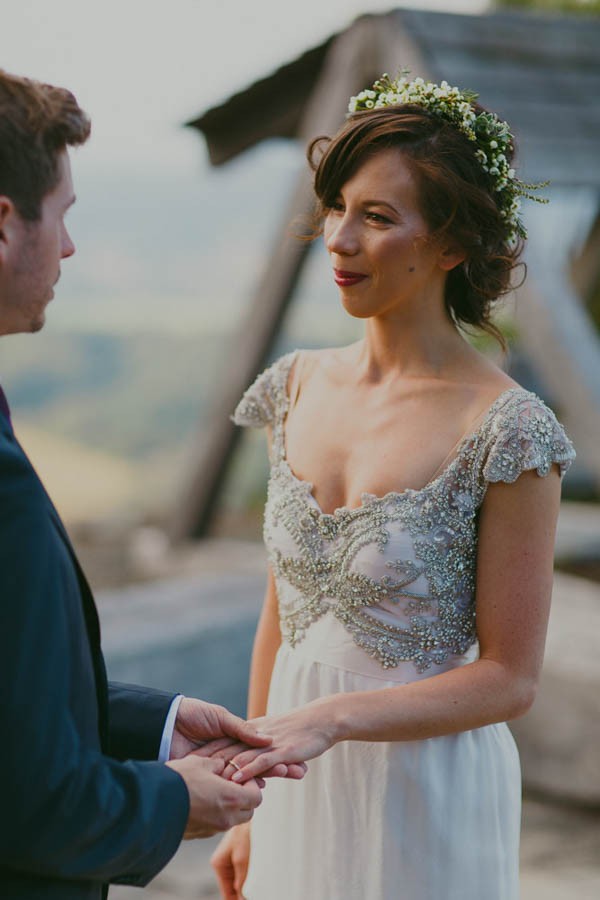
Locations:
514 584
266 645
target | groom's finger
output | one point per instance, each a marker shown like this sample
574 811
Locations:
216 766
245 732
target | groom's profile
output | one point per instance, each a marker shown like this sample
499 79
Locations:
86 796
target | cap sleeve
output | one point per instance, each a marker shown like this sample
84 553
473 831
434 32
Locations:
266 399
525 435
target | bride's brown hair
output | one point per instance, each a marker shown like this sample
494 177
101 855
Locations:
456 199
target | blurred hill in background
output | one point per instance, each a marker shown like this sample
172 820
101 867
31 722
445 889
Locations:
123 394
107 398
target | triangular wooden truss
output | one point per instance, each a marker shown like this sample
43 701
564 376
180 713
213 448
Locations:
560 340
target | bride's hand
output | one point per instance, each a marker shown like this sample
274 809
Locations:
226 749
296 736
230 861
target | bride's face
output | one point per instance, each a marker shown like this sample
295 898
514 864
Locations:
381 252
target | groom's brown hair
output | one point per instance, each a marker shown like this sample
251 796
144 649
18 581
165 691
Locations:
37 122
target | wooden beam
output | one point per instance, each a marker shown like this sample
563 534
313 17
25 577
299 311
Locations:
555 42
354 59
271 107
585 264
556 333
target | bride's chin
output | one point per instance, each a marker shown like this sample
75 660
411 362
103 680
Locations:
357 310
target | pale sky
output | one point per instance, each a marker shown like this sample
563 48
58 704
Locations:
142 67
155 227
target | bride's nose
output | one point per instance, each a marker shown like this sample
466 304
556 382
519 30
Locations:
341 235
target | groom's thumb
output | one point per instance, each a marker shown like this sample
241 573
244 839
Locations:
209 764
248 733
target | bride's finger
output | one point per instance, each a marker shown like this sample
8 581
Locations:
224 867
252 764
230 769
296 771
216 747
278 771
230 752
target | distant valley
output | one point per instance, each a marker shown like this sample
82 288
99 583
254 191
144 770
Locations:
138 337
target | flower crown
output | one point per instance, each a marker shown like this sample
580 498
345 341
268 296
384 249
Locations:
492 136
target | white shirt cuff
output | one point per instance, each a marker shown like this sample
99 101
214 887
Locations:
167 736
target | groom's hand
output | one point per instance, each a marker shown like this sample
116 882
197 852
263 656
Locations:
215 803
198 722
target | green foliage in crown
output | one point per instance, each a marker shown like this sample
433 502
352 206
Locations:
492 137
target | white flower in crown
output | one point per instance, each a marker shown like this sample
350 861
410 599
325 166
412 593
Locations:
492 136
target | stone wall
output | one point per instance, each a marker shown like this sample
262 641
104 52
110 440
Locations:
194 635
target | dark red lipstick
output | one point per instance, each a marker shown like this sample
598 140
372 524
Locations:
347 279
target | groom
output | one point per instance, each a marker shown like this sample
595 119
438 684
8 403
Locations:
85 796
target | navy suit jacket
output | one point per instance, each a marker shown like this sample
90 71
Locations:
81 802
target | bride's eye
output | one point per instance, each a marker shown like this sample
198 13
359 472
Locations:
378 218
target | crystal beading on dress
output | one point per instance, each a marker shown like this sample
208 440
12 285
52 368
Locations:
398 571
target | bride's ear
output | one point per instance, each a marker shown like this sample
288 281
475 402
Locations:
450 256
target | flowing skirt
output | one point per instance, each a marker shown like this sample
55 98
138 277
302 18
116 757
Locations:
437 819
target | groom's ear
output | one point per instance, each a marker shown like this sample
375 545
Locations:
8 222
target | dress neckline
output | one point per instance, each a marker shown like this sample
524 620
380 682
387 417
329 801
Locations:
366 498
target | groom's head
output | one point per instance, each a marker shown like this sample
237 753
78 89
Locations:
37 124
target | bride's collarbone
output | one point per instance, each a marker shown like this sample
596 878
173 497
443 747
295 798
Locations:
342 470
347 449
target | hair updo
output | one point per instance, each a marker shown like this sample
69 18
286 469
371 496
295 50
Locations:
456 198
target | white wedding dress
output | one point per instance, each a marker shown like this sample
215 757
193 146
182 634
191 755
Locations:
375 597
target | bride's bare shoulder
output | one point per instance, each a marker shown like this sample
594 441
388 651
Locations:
331 363
485 379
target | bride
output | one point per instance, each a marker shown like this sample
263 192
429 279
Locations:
410 535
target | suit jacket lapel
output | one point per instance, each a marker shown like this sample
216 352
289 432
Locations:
87 600
6 427
92 623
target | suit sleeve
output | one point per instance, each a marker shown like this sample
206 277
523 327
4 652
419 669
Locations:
137 718
68 811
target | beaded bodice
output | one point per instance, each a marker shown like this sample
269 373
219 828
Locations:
399 570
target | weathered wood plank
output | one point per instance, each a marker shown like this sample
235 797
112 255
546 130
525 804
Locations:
271 107
558 336
540 159
505 89
351 56
545 39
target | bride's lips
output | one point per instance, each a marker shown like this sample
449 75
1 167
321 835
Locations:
347 279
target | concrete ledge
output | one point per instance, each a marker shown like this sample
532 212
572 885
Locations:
559 738
192 635
578 533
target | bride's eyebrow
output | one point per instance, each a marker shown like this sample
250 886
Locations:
370 201
375 202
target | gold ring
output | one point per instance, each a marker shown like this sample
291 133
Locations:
233 763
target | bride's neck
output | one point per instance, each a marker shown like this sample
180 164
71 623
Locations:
410 347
